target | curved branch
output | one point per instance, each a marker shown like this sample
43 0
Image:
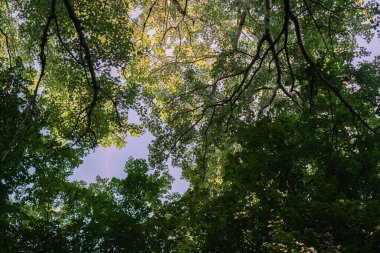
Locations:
7 46
95 86
320 74
32 101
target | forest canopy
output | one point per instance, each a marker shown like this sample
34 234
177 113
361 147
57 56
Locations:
271 109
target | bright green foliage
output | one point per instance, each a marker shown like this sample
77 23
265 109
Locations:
258 102
60 95
275 128
231 59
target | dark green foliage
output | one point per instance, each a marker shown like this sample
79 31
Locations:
258 102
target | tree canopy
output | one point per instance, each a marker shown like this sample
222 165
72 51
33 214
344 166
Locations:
271 108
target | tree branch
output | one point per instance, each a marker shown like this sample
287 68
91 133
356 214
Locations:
95 86
32 101
320 74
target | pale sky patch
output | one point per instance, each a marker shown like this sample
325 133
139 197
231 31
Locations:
136 12
109 162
